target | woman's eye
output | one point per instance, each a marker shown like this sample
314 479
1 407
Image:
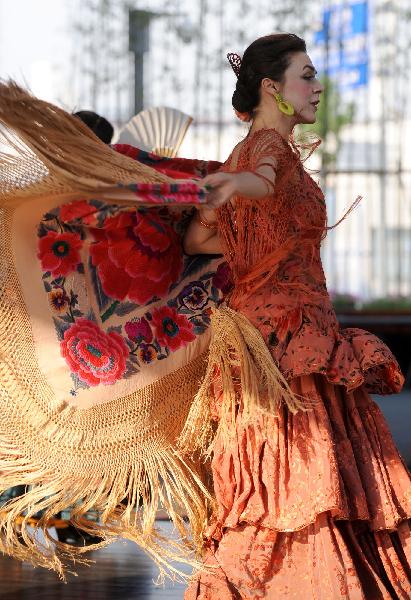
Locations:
309 77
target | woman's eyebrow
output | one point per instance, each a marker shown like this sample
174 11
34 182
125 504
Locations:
311 68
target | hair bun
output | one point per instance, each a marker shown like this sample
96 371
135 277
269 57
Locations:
242 100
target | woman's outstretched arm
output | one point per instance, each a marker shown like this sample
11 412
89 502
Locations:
202 234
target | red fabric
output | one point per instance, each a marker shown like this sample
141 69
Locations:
137 255
314 505
178 168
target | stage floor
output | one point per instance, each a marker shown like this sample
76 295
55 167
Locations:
121 572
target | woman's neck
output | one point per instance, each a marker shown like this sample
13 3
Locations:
283 124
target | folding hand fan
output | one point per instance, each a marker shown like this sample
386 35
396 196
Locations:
160 130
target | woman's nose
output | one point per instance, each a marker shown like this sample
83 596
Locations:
319 88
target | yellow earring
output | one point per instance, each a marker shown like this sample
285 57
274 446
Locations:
285 107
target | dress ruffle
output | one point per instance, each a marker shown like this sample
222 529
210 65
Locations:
307 339
338 457
303 475
326 560
311 505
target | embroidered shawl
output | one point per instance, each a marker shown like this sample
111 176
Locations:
106 363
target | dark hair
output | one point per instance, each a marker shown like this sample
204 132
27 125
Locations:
101 127
268 56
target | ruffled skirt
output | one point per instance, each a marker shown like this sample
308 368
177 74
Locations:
314 505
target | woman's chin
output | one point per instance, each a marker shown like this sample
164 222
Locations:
308 119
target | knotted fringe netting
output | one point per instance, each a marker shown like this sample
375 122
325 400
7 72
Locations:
132 455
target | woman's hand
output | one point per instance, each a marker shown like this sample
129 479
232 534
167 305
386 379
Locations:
221 188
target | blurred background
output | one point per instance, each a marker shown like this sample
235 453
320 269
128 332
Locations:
119 57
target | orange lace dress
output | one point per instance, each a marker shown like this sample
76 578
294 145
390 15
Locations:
318 507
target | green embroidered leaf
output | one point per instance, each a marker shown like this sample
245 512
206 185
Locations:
110 311
79 383
116 328
194 264
67 318
102 300
124 308
61 327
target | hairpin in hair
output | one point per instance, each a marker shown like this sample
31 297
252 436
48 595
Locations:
235 62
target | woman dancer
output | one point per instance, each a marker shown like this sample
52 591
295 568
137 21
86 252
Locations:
310 503
110 324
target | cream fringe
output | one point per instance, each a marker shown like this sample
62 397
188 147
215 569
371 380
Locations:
78 459
241 369
69 463
59 154
74 458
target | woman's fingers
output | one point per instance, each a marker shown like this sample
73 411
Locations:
220 188
215 179
219 196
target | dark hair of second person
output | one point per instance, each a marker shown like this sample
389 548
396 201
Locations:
98 124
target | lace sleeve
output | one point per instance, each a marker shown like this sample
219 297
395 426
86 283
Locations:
269 147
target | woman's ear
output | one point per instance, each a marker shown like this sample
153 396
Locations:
268 85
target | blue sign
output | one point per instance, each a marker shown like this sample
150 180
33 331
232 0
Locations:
343 21
342 44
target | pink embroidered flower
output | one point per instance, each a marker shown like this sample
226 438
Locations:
94 355
79 210
172 330
222 278
139 330
136 256
59 253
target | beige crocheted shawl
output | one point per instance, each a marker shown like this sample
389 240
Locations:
123 446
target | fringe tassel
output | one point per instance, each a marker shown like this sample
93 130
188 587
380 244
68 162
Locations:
120 515
126 481
67 155
242 368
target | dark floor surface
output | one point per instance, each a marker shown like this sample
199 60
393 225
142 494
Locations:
120 572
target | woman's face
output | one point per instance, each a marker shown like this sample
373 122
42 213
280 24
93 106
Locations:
301 87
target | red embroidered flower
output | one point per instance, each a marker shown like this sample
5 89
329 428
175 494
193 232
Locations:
139 330
59 253
95 356
136 256
79 210
172 330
